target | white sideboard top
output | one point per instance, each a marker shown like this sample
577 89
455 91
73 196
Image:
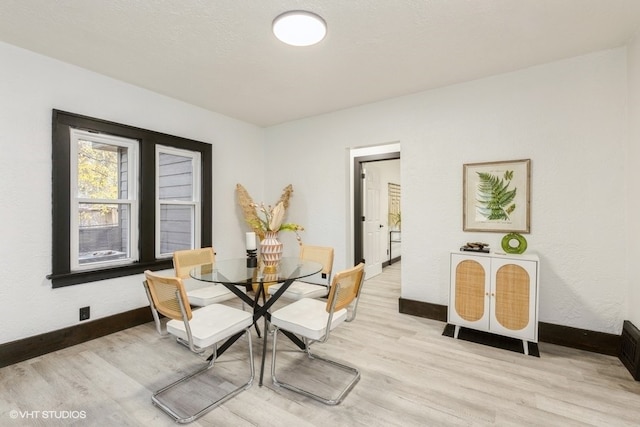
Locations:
531 256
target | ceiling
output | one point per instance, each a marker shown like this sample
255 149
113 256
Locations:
222 56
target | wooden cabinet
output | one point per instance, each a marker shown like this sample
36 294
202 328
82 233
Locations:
495 293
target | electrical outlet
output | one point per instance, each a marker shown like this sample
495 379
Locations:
85 313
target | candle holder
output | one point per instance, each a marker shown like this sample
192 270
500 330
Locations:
252 258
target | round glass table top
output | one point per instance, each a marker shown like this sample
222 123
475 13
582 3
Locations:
235 271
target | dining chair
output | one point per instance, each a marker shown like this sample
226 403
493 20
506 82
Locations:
304 288
200 329
184 261
313 320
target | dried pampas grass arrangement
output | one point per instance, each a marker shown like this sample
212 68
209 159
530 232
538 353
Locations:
249 206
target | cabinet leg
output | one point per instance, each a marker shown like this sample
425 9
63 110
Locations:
525 347
456 331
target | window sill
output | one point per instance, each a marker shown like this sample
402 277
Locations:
77 277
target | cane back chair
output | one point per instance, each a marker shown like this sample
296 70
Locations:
184 261
198 329
313 320
307 289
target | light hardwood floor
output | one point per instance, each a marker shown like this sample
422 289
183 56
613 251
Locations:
411 376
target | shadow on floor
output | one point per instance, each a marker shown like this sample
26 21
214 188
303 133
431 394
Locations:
492 340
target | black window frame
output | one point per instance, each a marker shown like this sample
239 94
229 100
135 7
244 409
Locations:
62 122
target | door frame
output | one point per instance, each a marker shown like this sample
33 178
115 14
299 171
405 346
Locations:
358 198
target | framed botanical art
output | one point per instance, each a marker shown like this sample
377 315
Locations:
496 196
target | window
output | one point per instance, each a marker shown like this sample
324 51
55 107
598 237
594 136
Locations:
178 201
124 198
104 207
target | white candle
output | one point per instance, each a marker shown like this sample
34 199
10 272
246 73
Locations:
251 241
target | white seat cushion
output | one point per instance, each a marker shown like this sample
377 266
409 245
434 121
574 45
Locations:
299 290
209 294
191 284
212 324
307 317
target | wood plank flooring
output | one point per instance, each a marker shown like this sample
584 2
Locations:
411 376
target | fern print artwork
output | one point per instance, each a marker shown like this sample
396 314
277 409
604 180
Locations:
494 198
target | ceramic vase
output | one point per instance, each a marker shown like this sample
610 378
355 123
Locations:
271 251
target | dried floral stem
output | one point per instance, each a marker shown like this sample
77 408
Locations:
286 195
249 212
258 225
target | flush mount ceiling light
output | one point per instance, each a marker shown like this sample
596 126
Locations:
299 28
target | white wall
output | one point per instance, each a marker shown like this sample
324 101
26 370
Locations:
633 182
30 87
568 117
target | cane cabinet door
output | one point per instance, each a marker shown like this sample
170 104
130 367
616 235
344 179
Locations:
513 295
470 284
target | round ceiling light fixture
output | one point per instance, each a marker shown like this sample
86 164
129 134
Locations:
299 28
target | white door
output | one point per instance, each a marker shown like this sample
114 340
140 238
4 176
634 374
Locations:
372 222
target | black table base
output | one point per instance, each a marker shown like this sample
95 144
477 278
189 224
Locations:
258 312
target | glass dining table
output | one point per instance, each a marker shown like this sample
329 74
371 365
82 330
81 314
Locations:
240 279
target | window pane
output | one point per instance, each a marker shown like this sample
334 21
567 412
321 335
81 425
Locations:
103 232
175 175
176 228
102 170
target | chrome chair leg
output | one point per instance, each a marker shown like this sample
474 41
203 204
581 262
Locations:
326 400
198 350
156 398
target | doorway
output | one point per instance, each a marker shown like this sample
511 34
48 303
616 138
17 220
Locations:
370 231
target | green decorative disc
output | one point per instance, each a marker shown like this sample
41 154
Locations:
514 243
